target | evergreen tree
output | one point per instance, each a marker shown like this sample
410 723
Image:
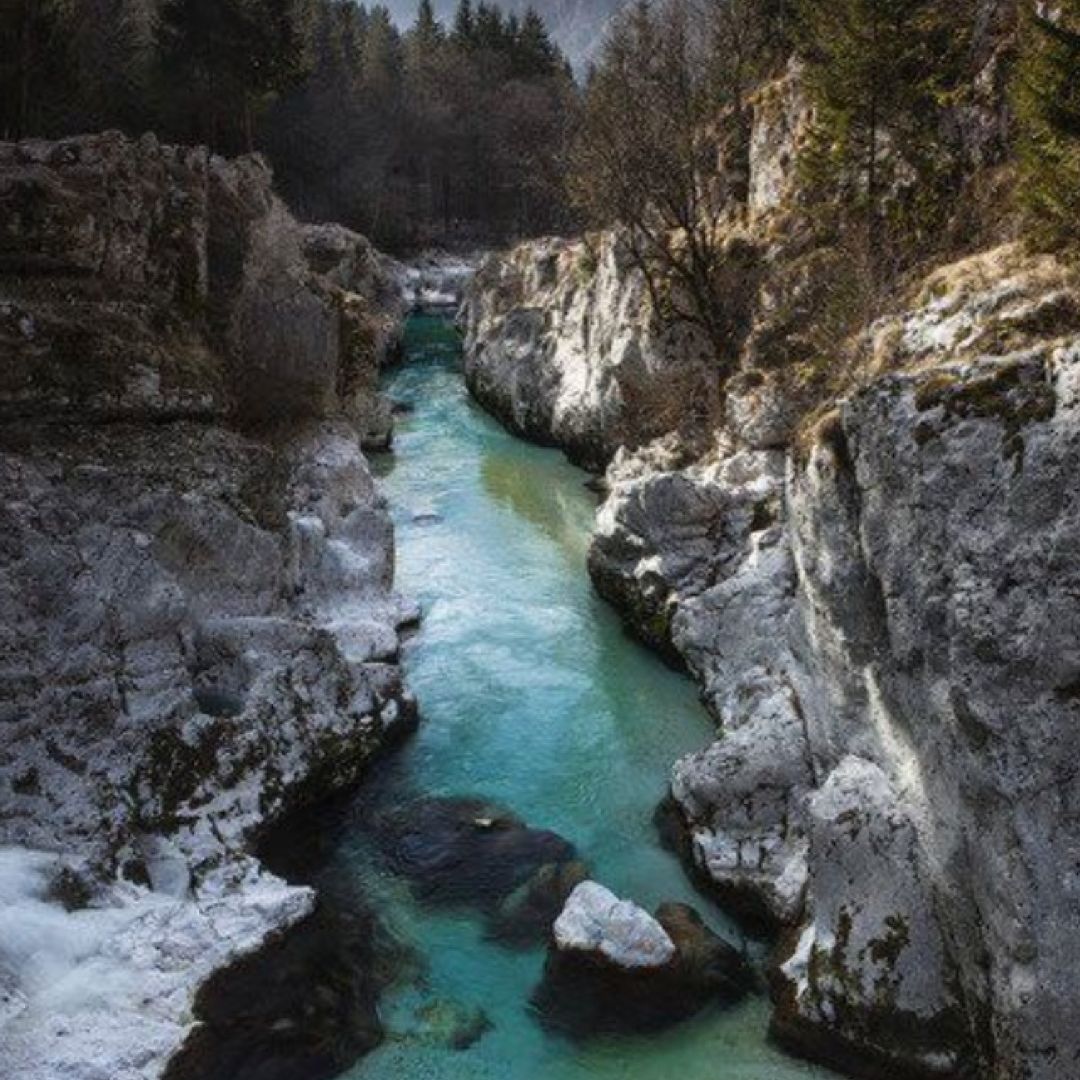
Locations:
427 33
465 25
35 64
877 72
229 54
353 21
535 55
382 59
489 31
1048 107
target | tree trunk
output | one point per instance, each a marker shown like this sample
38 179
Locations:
249 132
26 62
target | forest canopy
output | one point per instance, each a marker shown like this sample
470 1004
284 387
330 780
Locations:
410 136
472 128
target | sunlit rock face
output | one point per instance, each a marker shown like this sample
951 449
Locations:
562 345
199 628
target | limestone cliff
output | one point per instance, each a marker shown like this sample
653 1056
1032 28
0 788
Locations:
561 344
876 598
199 630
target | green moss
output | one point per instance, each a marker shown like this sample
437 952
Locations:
586 266
887 949
1016 394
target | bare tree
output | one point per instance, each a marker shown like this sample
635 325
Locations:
644 159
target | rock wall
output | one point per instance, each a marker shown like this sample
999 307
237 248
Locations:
561 344
200 631
876 601
880 620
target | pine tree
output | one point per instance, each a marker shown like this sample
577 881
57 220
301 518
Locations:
35 64
535 55
426 31
490 30
231 54
465 25
382 58
877 70
1047 95
354 21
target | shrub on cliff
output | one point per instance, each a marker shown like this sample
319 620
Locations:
879 73
1047 100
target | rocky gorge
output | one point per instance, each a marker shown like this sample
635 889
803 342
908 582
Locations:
866 567
872 584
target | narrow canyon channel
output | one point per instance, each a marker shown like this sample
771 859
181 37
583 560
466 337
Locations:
532 697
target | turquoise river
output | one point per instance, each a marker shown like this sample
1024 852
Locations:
531 695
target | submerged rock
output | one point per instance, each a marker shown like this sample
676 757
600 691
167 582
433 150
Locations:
464 850
613 967
705 959
527 915
451 1024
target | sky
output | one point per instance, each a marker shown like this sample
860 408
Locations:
577 25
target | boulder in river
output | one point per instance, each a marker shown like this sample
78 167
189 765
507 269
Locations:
465 850
613 967
304 1008
597 924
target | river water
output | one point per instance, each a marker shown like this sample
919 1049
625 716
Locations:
532 696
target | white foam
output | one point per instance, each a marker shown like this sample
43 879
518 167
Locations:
105 992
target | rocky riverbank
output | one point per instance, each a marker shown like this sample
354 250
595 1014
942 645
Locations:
873 588
200 630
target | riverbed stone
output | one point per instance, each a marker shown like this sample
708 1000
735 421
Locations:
527 915
450 1023
595 922
613 967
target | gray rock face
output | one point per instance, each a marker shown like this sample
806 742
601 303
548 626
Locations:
887 663
878 611
196 568
562 346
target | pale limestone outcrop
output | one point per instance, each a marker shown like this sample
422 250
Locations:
889 649
561 344
780 117
595 921
200 628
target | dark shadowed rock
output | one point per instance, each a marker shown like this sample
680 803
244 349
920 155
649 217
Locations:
303 1009
705 958
464 850
613 968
